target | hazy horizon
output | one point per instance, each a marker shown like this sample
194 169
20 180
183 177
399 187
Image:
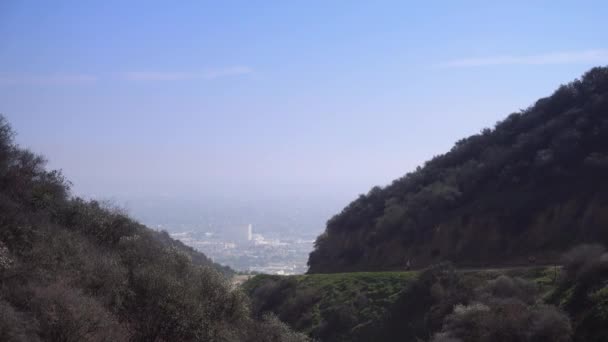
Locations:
314 102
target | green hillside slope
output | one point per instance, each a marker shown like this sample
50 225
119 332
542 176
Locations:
379 306
528 189
328 306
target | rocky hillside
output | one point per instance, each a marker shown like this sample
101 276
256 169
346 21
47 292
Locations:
525 190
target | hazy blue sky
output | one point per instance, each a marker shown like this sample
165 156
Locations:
285 98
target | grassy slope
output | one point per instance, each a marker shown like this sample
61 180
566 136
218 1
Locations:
368 292
338 306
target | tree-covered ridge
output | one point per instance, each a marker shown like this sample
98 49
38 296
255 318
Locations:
527 189
76 270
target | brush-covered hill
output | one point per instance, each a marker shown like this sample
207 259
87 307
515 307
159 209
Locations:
413 305
528 189
441 304
76 270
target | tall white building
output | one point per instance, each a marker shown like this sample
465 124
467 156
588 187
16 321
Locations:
249 232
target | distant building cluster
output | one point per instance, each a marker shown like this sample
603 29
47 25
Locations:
242 249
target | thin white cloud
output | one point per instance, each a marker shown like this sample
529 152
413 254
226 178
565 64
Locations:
208 74
566 57
231 71
11 79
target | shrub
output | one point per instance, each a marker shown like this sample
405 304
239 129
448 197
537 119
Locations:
65 314
271 329
584 262
508 320
272 293
505 310
507 287
16 326
6 261
547 323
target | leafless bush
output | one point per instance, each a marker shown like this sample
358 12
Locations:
584 262
6 261
443 337
65 314
507 287
505 310
16 326
271 329
549 324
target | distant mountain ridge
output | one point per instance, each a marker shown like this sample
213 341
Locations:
524 191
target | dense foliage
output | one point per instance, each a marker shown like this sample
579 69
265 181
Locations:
328 307
438 304
528 189
583 292
76 270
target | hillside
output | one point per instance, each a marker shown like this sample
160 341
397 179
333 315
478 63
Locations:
328 306
386 306
527 189
75 270
444 304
